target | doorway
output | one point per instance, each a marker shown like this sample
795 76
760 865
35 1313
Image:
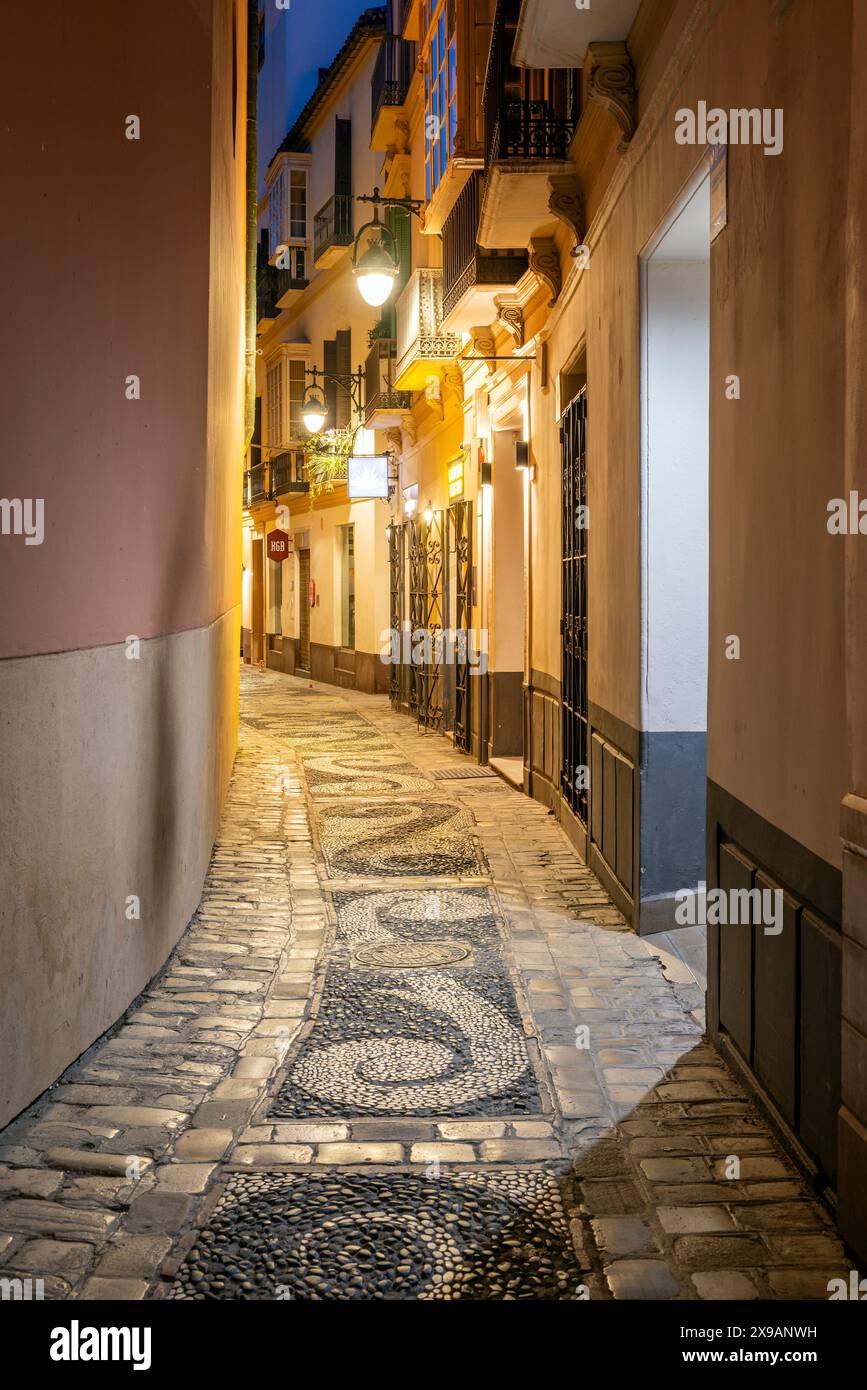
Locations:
303 662
507 506
675 298
257 615
574 707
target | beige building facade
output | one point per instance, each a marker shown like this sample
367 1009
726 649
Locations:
323 609
629 337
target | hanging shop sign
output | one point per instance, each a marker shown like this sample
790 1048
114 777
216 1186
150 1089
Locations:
278 546
367 476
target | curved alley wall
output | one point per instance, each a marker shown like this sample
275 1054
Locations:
122 401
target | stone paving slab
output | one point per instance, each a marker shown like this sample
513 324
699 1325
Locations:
646 1174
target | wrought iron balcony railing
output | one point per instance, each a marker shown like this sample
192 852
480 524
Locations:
287 473
530 130
422 342
332 225
272 282
465 264
255 488
380 394
519 127
392 74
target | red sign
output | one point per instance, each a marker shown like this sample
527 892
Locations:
278 545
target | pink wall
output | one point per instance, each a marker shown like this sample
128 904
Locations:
106 265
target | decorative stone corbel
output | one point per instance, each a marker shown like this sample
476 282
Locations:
511 317
395 439
483 345
611 85
545 264
565 201
453 377
401 135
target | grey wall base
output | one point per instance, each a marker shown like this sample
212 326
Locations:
114 777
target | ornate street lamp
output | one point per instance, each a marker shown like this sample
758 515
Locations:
378 266
314 410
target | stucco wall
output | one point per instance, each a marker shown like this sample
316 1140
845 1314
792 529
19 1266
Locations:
128 262
777 731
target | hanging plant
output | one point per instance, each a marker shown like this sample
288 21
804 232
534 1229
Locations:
327 459
382 329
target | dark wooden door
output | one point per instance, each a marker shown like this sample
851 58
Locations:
257 617
303 662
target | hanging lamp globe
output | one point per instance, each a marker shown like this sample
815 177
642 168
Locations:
314 411
375 271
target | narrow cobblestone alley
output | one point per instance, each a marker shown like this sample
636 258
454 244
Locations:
405 1049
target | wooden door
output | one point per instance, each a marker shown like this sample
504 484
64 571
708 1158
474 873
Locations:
303 662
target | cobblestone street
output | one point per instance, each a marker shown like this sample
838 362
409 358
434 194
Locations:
406 1048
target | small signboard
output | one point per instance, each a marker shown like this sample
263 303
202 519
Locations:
367 476
278 546
456 479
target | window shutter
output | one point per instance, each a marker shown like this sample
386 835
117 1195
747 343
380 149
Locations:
343 356
297 382
329 357
343 157
274 385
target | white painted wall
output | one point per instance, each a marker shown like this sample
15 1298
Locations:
675 433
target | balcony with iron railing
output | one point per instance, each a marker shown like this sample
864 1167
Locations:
530 121
333 229
530 129
423 343
287 473
255 485
384 405
389 86
272 283
274 477
473 276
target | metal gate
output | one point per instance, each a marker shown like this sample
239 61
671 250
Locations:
573 625
426 619
460 537
397 675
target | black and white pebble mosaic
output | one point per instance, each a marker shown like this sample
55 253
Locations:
346 774
454 1234
400 838
445 1040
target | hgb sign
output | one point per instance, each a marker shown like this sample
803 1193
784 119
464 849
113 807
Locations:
278 545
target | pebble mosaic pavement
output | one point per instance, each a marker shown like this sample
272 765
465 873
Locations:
358 1078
